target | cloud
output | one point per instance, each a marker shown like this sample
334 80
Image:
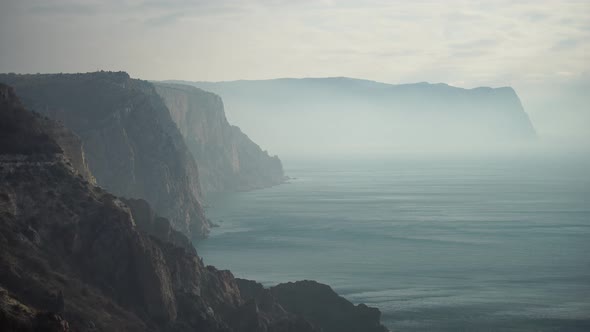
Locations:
161 20
479 43
475 44
538 47
566 44
57 8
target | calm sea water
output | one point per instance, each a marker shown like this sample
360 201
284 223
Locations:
471 245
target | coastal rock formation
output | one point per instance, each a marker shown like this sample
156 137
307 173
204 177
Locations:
71 145
71 249
74 257
319 304
316 303
132 146
228 160
346 115
153 225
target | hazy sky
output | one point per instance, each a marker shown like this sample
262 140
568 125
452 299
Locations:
541 48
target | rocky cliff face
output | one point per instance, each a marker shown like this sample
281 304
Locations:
228 160
132 146
25 133
71 145
75 258
316 303
72 251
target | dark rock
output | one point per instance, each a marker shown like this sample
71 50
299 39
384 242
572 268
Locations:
319 304
271 313
50 322
314 304
22 132
32 235
71 145
15 316
147 220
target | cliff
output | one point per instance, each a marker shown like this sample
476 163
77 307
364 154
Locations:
74 257
316 303
25 133
71 251
346 115
71 146
132 146
319 304
228 160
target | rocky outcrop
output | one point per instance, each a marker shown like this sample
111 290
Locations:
27 133
228 159
63 245
71 145
132 146
21 131
152 224
316 303
15 316
319 304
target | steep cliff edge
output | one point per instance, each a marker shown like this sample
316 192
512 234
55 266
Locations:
132 146
24 133
228 159
71 145
75 258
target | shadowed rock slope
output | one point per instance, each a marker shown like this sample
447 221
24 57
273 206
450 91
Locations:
315 302
75 258
132 146
228 160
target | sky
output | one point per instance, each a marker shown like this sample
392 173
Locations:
540 48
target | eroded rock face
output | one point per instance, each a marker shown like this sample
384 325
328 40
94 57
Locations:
315 304
259 298
15 316
71 145
228 160
319 304
152 224
132 146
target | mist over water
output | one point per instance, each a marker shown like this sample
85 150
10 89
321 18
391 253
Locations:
435 243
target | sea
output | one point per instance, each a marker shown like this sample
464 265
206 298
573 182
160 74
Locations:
437 244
